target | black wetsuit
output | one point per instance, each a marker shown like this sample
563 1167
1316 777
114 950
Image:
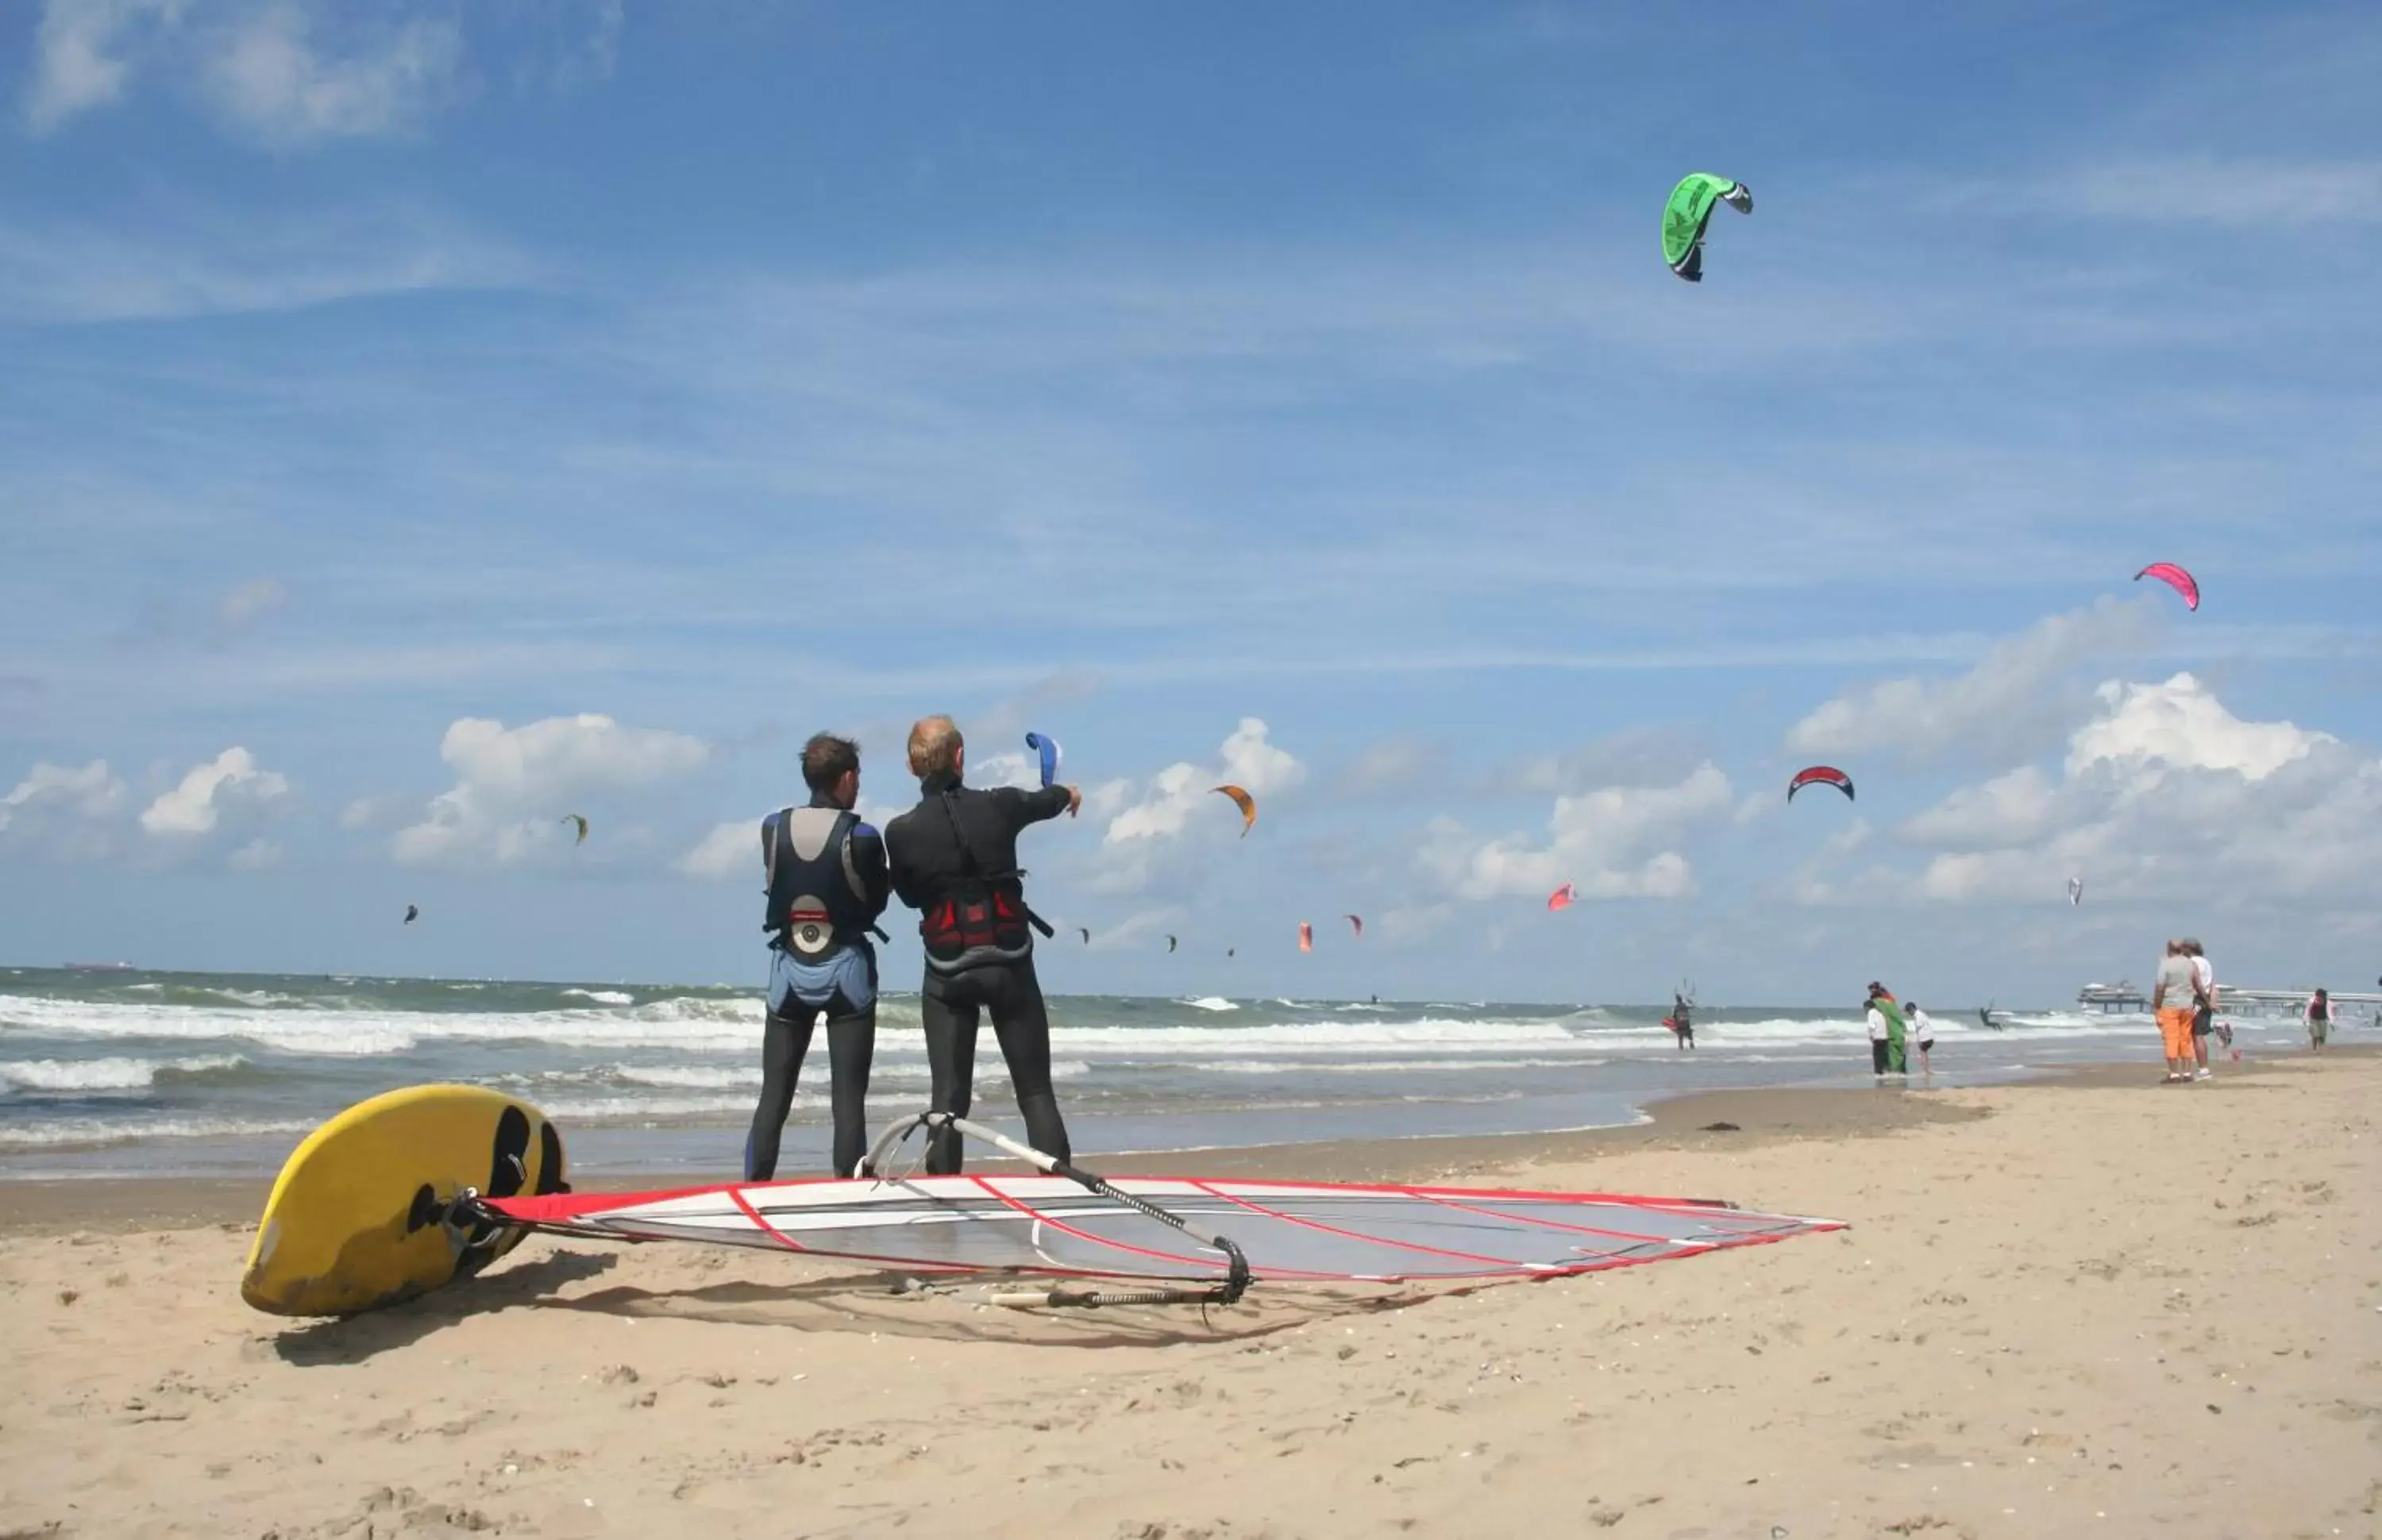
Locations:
836 977
1680 1009
954 859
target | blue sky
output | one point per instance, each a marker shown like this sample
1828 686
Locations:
1297 393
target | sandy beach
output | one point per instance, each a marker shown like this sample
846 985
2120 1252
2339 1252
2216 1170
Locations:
2091 1307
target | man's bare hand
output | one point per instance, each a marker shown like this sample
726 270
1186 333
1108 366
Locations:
1074 800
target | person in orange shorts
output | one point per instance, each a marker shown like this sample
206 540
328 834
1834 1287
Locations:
2172 997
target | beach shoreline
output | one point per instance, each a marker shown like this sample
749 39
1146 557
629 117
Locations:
1760 1115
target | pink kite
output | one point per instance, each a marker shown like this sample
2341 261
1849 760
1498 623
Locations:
1561 897
1306 937
2175 577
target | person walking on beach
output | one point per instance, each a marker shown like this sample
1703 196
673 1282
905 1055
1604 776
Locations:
954 861
2171 998
1923 1031
2319 1019
2203 1004
825 871
1681 1022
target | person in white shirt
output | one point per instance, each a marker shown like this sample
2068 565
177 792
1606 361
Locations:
1921 1032
2203 994
1881 1043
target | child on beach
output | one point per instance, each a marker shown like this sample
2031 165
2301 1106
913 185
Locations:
1923 1031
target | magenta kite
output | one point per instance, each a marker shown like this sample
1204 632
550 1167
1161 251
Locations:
2175 577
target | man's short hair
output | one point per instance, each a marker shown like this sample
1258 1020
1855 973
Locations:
826 758
935 745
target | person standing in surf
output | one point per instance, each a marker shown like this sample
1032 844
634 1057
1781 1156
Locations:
1921 1030
2319 1016
825 871
2171 998
1681 1022
954 861
1885 1033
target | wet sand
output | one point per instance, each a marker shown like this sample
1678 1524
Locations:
2095 1307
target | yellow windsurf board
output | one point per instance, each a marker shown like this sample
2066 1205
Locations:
358 1217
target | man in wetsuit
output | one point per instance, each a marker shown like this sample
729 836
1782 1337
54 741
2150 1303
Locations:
826 882
1682 1023
954 861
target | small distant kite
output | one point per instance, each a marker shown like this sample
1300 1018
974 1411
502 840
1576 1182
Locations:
2075 891
1306 937
1689 210
1170 945
1047 751
579 820
1246 804
1231 951
1086 933
2175 577
1563 897
1356 922
412 912
1821 774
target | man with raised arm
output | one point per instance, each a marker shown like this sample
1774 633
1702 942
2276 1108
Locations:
954 861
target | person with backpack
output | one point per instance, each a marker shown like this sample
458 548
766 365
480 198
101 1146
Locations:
824 870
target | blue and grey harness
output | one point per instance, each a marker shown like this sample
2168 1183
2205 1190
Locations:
819 908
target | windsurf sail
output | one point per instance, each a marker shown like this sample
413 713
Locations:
1216 1237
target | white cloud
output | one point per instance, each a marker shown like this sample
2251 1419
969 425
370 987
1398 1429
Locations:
231 779
2180 723
1165 804
2164 795
78 61
1149 819
513 785
1006 769
63 811
2022 695
284 72
270 73
729 850
1609 842
87 792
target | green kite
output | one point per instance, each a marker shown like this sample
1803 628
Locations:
1689 210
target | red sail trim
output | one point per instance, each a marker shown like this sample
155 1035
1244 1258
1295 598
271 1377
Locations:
1065 1229
737 1195
1504 1262
1559 1224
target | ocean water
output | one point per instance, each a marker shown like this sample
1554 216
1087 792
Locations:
135 1072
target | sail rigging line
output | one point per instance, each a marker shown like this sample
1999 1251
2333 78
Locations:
1428 1196
1229 1291
1357 1235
